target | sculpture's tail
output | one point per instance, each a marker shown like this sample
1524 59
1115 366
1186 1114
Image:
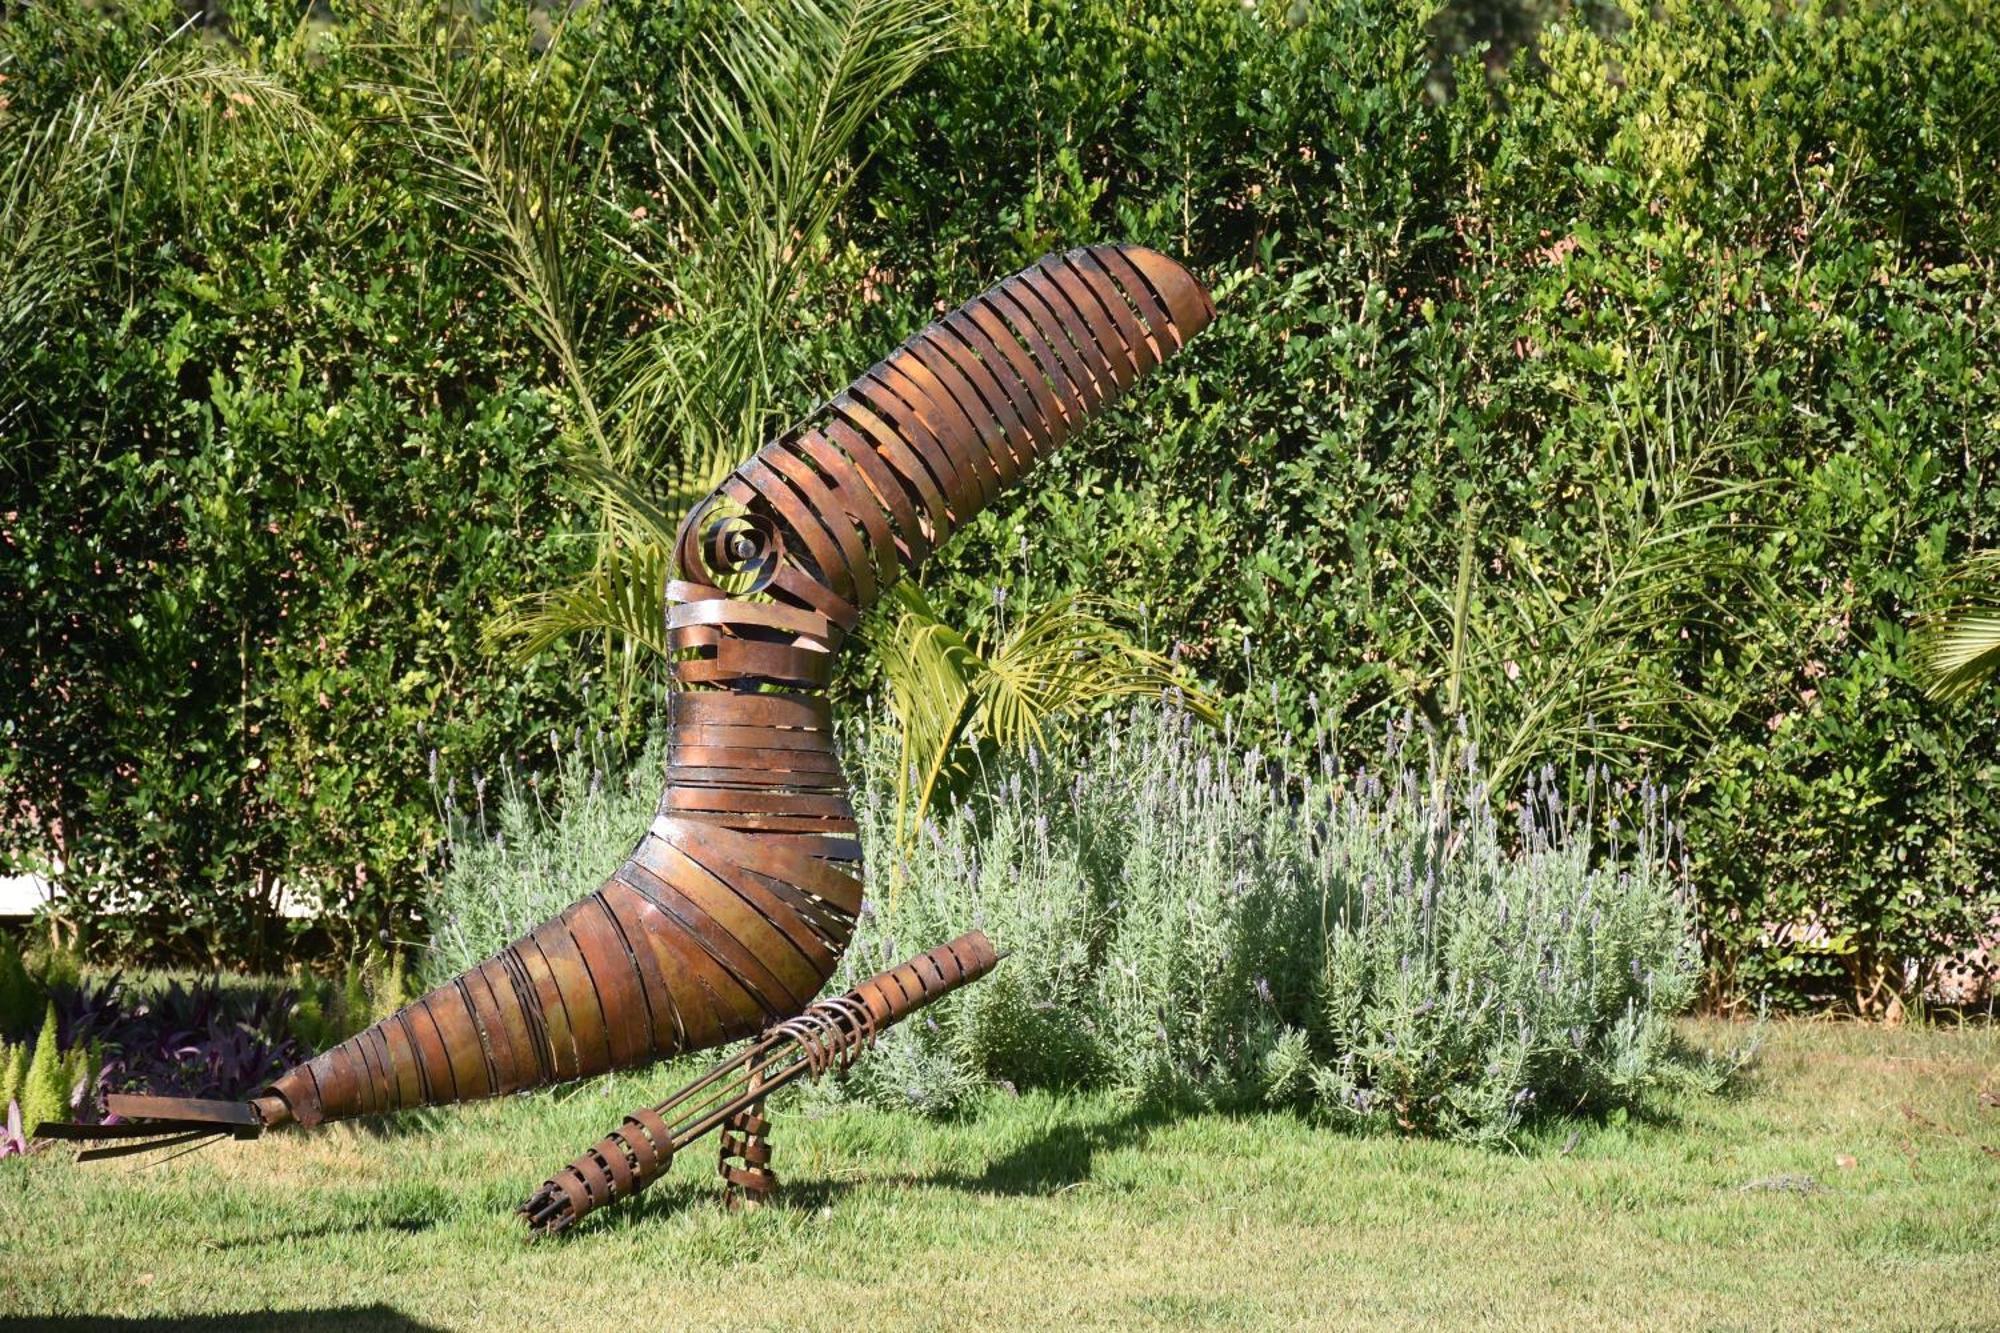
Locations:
147 1123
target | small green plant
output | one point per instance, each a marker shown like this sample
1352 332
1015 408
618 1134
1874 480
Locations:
1958 651
955 697
42 1088
55 1082
13 1070
365 991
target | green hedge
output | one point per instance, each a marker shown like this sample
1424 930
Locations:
1740 261
1630 416
266 475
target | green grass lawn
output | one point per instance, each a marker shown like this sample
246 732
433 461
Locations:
1852 1182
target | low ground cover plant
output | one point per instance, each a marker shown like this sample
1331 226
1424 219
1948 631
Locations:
1192 921
69 1035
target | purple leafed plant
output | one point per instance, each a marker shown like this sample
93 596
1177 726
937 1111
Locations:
13 1140
203 1040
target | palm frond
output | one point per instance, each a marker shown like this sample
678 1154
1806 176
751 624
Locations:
1563 660
497 126
1958 651
64 177
693 401
950 693
1062 657
754 162
770 115
620 598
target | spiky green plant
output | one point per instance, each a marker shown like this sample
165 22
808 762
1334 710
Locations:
13 1070
1958 652
952 694
44 1094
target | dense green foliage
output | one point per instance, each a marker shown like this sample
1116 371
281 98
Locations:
268 468
1629 417
1634 417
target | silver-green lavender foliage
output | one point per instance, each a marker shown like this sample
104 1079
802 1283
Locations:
520 848
1186 920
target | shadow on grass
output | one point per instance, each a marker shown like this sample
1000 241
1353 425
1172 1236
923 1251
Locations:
1057 1158
1062 1155
410 1226
360 1319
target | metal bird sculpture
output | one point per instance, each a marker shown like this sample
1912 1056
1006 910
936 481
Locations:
736 905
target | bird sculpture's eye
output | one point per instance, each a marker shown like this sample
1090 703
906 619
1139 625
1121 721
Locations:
738 550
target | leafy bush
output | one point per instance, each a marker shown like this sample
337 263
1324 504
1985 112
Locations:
1632 418
522 849
278 446
1188 920
329 1010
213 1038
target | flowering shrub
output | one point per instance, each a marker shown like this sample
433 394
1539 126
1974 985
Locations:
1187 919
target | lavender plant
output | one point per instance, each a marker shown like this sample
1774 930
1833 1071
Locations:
1188 919
520 847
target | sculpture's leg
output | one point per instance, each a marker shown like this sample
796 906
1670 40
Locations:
746 1140
731 1096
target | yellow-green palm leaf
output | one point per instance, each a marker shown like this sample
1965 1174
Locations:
949 693
1959 651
